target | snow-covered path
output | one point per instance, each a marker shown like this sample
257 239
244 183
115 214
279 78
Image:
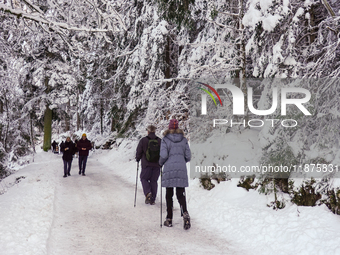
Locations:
44 213
94 214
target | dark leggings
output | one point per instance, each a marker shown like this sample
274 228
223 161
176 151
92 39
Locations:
180 193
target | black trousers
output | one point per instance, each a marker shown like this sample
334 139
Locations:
149 177
180 193
67 166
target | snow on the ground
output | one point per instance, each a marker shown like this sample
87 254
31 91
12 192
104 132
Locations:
94 214
45 213
27 207
42 211
244 219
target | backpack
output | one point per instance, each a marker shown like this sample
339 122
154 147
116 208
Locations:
153 150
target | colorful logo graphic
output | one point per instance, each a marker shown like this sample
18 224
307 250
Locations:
208 92
239 99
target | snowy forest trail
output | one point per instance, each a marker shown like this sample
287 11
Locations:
94 214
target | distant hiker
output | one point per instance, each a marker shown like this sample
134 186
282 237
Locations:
174 155
54 146
148 151
61 145
68 150
83 147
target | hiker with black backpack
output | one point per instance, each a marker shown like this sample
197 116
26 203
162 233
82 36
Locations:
148 152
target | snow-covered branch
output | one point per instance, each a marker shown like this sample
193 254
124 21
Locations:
33 7
171 79
222 25
328 7
19 13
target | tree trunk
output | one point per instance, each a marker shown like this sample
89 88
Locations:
101 116
167 61
312 31
32 133
241 74
78 115
242 49
1 111
6 135
328 7
113 124
78 121
47 129
101 109
7 126
67 116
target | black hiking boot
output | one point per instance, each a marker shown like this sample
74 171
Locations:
148 198
79 172
65 175
69 174
186 219
83 174
168 222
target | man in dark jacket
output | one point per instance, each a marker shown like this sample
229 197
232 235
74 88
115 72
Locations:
68 150
83 147
150 170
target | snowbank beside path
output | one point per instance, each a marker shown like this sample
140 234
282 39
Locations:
244 218
27 207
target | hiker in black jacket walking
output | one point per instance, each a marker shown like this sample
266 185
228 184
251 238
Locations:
67 149
150 166
83 146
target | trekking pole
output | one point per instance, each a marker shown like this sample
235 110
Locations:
161 196
136 184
